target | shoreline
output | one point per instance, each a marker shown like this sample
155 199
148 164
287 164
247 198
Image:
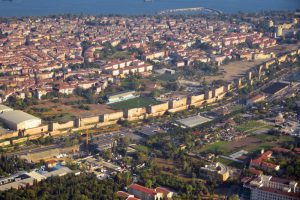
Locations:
156 14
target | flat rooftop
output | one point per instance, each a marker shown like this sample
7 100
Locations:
193 121
17 116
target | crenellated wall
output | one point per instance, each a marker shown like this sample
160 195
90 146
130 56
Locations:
209 97
58 126
208 94
111 116
135 113
163 107
196 99
37 130
218 91
178 103
89 120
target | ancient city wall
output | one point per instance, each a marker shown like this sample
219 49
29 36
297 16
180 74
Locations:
177 103
195 99
158 108
37 130
90 120
111 116
58 126
9 135
209 97
216 92
135 113
208 94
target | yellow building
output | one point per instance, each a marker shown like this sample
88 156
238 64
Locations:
216 171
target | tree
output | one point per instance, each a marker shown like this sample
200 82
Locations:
290 170
149 183
141 157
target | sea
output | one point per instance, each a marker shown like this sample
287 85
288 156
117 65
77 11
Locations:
19 8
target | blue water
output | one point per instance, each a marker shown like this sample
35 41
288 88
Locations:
134 7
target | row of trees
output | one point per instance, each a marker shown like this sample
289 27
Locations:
12 164
81 187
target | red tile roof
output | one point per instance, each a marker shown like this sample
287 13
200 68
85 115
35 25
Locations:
123 194
142 189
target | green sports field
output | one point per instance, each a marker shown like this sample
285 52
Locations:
133 103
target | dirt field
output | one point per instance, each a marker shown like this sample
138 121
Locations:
234 70
251 143
60 109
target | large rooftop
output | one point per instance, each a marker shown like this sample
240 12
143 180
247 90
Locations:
4 108
193 121
17 116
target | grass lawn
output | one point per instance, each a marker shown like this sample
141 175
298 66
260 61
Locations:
217 146
252 126
269 141
167 77
141 148
133 103
251 143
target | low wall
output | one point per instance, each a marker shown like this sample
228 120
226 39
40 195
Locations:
90 120
58 126
9 135
37 130
5 143
19 140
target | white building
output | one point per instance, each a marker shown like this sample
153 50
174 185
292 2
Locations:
267 187
4 108
19 120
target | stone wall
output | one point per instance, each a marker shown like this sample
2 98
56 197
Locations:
58 126
89 120
216 92
178 103
195 99
37 130
111 116
135 113
163 107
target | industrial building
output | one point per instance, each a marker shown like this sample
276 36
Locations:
19 120
193 121
121 96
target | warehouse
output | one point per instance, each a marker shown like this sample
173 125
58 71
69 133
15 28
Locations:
121 96
19 120
193 121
